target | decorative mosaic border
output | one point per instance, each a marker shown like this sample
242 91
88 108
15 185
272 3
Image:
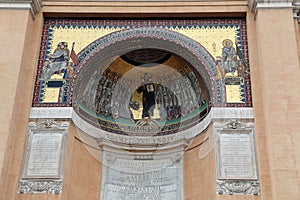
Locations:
50 23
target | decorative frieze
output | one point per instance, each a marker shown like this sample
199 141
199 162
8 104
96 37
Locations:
40 186
238 187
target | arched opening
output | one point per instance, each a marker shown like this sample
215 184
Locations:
145 82
143 92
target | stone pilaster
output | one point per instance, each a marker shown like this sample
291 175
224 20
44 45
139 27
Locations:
278 66
18 56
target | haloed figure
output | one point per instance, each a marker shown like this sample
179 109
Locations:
148 91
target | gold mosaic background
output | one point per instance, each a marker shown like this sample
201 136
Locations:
209 37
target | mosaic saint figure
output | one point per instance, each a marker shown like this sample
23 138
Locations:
191 101
175 95
105 93
89 94
148 99
240 69
220 70
47 72
228 51
69 71
59 59
120 99
160 100
229 56
196 87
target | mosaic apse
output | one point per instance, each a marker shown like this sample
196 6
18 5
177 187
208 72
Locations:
64 39
142 92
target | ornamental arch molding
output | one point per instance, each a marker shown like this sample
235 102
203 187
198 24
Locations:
105 48
102 52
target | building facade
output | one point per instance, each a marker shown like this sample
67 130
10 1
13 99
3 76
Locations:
150 99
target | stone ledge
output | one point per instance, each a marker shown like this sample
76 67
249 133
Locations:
255 5
66 113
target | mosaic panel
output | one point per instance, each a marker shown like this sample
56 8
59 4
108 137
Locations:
64 39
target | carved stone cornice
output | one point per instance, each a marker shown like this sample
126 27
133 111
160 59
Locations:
33 5
296 10
255 5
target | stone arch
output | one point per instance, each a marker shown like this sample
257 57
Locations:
121 42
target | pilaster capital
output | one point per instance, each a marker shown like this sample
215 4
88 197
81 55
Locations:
33 5
296 10
255 5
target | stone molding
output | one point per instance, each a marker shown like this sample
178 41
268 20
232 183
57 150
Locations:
66 113
51 113
232 113
165 141
33 5
254 5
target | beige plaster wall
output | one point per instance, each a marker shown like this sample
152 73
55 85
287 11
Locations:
18 56
278 80
82 170
10 49
199 179
261 141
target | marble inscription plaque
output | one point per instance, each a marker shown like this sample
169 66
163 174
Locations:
147 184
236 158
44 155
159 184
42 169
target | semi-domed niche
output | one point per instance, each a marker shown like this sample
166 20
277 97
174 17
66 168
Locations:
145 92
144 82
